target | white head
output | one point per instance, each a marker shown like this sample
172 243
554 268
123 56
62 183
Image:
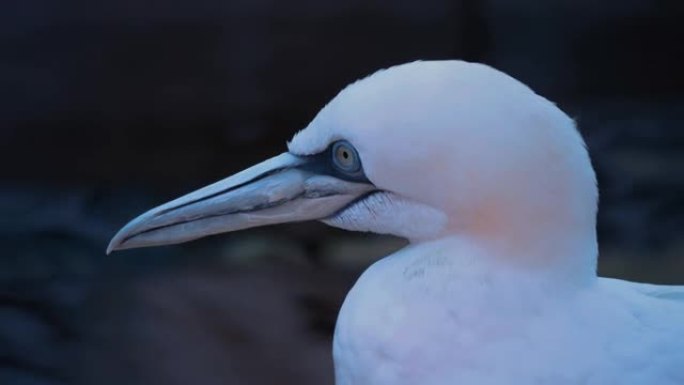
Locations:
445 148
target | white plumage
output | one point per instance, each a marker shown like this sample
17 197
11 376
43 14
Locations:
494 188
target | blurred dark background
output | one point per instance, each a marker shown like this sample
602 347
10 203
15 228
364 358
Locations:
110 107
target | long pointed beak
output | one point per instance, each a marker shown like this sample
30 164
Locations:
282 189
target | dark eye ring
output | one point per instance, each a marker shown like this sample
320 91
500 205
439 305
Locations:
345 157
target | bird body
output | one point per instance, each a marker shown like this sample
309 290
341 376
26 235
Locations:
493 187
436 314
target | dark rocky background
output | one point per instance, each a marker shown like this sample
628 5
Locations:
110 107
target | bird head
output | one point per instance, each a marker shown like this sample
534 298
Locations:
423 150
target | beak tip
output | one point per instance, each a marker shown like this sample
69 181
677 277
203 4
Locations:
118 241
113 245
123 239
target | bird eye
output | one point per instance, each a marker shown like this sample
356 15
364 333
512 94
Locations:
345 157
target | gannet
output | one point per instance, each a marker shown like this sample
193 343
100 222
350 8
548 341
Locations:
494 189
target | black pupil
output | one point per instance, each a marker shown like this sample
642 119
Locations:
345 154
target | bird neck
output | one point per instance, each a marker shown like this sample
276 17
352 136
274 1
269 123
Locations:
554 241
562 257
473 263
545 224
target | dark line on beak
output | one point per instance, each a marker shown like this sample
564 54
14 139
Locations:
218 214
226 190
317 163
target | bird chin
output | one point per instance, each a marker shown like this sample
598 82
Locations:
384 212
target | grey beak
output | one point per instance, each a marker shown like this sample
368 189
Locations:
278 190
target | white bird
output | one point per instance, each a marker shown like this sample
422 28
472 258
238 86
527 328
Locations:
493 187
